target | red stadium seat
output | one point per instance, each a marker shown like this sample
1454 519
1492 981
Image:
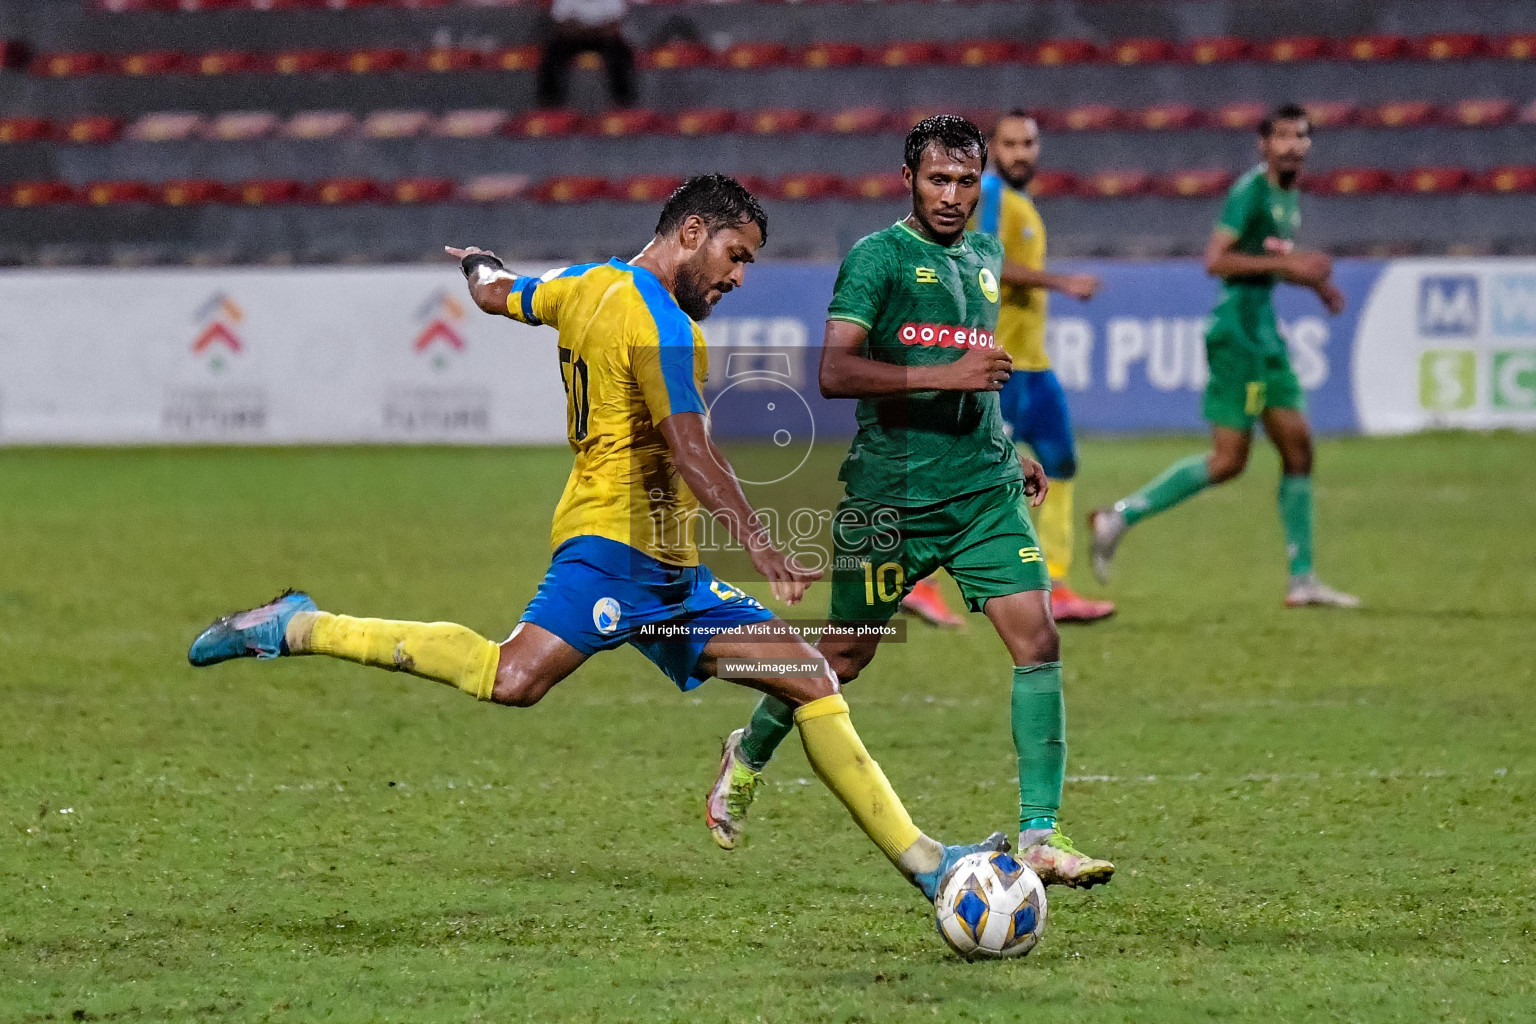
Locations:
469 124
1244 117
166 126
315 125
1508 179
338 191
270 191
753 56
14 54
902 120
1449 46
782 121
1200 184
150 62
1215 50
1091 117
230 62
831 55
887 185
711 121
1481 113
420 190
514 58
1399 114
1518 46
95 129
1527 113
1055 52
395 124
449 58
1435 180
975 53
572 188
494 188
646 188
1350 181
905 54
1374 47
241 126
1140 51
1330 113
677 55
383 58
302 62
633 121
68 65
797 187
1165 117
1291 49
542 124
854 121
1115 184
25 129
193 192
39 193
113 193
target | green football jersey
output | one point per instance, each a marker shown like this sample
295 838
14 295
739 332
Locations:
1255 211
924 304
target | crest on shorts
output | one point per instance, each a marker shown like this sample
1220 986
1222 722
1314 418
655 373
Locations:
605 615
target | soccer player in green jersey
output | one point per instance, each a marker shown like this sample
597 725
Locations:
932 481
1251 379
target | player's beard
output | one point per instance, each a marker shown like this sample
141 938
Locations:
691 288
1287 178
945 238
1018 182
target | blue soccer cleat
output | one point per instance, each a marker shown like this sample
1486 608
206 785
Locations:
257 633
929 881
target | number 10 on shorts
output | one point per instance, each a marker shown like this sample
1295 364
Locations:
886 582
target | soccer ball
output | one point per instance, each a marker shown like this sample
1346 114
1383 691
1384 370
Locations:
990 907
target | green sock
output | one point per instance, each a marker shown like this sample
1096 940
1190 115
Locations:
1040 737
1184 479
772 720
1296 519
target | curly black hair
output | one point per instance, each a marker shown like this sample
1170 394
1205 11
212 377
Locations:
1284 112
954 134
722 201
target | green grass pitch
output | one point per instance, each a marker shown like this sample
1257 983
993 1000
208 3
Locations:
1315 815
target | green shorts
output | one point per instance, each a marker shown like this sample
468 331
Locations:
1248 375
984 539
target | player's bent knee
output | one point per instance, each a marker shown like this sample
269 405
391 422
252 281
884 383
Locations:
1224 467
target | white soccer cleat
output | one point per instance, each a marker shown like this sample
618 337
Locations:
725 809
1106 526
1309 591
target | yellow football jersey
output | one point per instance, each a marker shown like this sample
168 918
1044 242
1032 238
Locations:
1011 216
630 358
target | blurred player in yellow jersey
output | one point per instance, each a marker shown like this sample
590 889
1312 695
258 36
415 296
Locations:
1033 403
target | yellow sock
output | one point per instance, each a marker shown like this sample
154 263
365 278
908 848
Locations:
845 767
1054 521
444 651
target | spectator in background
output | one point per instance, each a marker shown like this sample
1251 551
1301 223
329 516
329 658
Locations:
587 26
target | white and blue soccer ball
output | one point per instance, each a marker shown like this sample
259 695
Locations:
990 907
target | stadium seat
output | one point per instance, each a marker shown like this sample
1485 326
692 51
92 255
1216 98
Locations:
230 62
1434 180
1374 47
270 191
395 124
632 121
25 129
754 56
468 124
886 185
316 125
983 52
712 121
782 121
1480 113
1164 117
302 62
1291 49
514 58
572 188
676 56
1141 51
1399 114
1202 184
1350 181
854 121
39 193
92 130
646 188
68 65
831 55
1330 113
336 191
1449 46
1215 50
193 192
1244 117
14 53
420 190
1527 114
150 62
1514 178
543 124
241 126
449 58
383 58
113 193
494 188
166 126
904 54
1055 52
1091 117
797 187
1115 184
1517 46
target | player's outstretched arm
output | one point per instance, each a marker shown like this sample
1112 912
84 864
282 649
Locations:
846 373
489 282
708 475
1079 286
1298 266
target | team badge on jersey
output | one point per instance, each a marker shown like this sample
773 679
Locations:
988 284
605 615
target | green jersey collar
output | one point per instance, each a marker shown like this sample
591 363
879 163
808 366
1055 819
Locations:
958 249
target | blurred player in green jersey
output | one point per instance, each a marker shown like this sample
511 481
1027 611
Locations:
1251 379
933 481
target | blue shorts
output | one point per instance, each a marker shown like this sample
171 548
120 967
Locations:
600 594
1035 408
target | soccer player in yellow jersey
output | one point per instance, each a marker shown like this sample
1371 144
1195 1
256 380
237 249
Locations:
625 568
